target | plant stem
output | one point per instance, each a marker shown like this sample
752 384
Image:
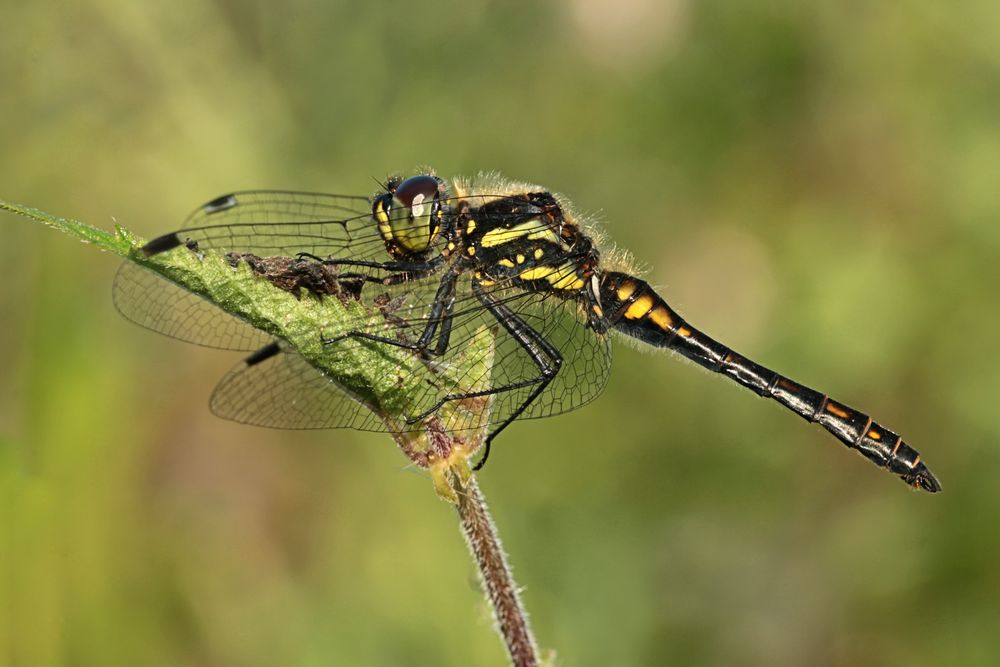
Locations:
501 590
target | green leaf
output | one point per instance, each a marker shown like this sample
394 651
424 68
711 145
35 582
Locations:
120 243
379 376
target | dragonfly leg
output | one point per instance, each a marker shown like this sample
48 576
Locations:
423 266
439 321
401 272
542 353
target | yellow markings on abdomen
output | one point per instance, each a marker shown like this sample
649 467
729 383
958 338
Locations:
638 308
660 316
625 290
507 263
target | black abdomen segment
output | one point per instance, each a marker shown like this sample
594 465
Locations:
632 307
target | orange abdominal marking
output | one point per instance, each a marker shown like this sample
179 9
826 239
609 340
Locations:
835 409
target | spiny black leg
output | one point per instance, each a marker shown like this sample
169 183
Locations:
537 348
444 299
545 356
421 266
402 271
444 335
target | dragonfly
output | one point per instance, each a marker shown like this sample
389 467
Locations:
442 260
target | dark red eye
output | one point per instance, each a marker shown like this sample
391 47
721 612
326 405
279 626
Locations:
409 191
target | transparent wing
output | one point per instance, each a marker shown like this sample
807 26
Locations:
282 222
586 355
265 222
285 391
269 205
277 388
158 304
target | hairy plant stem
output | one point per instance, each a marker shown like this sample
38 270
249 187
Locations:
495 575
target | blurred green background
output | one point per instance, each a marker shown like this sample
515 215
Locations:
814 184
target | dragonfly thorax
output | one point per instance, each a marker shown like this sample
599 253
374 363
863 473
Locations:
526 241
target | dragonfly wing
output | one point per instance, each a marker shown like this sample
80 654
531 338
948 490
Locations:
277 388
154 302
586 356
281 222
261 222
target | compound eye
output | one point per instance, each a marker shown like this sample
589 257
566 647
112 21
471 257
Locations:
416 191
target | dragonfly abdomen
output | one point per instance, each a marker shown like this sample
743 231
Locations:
632 307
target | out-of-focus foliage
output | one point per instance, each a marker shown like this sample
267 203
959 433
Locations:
815 184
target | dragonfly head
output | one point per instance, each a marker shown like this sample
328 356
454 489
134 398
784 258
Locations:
409 214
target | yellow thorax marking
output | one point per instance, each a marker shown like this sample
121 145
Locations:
569 281
537 273
471 227
562 278
531 229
